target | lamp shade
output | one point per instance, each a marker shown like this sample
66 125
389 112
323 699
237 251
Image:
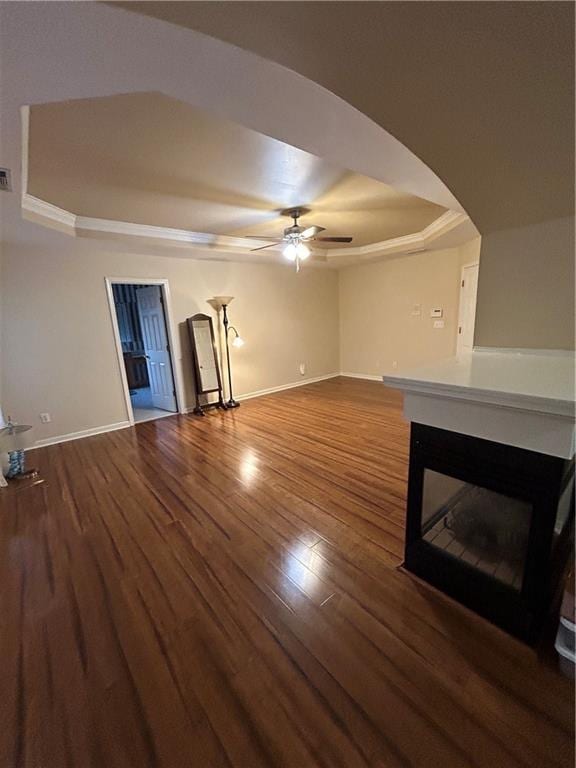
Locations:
222 301
16 437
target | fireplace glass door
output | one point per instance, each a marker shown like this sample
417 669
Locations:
489 531
489 524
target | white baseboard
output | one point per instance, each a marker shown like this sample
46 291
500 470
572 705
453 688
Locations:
365 376
249 395
79 435
282 387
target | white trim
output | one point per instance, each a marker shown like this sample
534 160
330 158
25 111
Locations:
414 242
127 229
79 435
119 352
365 376
165 285
108 226
444 223
48 212
280 388
25 133
525 351
248 396
460 325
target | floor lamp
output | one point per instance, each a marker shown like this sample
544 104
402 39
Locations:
222 302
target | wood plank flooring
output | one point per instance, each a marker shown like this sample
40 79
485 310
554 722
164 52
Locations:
225 591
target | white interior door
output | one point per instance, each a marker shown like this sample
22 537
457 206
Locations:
153 325
467 310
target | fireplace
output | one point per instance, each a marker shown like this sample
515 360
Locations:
489 524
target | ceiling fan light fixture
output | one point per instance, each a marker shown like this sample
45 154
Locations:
296 237
290 252
296 250
302 251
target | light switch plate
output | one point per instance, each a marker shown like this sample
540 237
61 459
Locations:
437 312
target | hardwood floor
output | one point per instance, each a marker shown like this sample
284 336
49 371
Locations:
224 591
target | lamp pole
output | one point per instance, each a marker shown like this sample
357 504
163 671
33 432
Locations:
231 403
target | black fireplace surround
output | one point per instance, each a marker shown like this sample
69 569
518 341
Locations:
490 525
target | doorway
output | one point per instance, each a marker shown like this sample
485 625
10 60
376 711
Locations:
140 318
467 308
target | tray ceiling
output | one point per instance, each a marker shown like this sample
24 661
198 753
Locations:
149 159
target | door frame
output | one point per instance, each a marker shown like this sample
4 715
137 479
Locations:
458 335
170 326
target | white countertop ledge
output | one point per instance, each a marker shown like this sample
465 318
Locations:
532 380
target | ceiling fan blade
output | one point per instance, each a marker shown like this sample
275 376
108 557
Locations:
261 248
334 239
311 232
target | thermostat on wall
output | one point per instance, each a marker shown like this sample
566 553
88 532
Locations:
436 312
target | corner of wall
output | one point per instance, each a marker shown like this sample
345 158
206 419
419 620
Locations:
526 287
1 322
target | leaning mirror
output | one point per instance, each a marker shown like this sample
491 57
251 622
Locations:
204 358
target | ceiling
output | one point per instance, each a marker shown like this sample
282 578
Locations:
483 93
149 159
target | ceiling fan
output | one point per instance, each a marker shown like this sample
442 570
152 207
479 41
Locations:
296 237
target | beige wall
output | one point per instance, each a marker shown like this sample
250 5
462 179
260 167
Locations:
376 304
58 353
526 287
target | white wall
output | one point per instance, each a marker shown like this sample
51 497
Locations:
58 353
377 327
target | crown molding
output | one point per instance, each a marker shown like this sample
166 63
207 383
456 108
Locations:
50 214
127 229
85 226
445 223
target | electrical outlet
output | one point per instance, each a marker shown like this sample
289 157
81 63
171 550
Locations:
394 363
302 369
45 418
438 323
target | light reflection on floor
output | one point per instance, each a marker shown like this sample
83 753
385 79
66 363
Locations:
304 567
249 467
